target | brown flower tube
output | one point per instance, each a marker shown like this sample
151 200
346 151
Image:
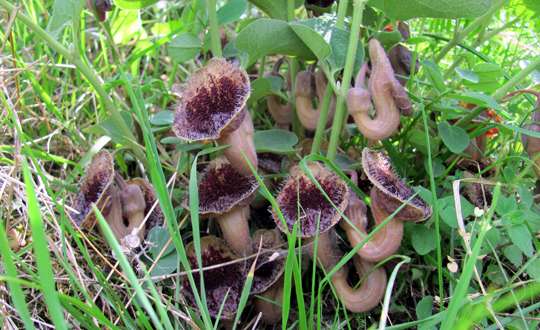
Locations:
385 242
308 86
388 194
388 96
370 292
225 193
280 112
359 104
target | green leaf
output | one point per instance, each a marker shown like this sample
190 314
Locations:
526 9
65 12
417 139
467 74
485 84
476 98
388 39
515 217
437 165
276 141
110 128
455 138
134 4
165 265
423 239
416 40
259 88
434 75
185 47
534 269
506 205
313 40
126 26
522 238
165 117
339 42
231 51
526 198
424 309
471 59
407 9
514 254
265 36
231 11
449 214
158 237
275 8
488 70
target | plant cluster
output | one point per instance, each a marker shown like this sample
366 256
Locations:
250 129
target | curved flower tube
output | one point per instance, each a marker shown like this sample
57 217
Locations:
372 289
308 86
388 96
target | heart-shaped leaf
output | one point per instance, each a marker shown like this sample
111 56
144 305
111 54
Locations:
455 138
276 141
265 36
185 47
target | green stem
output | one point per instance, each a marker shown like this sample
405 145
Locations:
261 66
322 120
505 89
347 75
297 128
459 36
342 11
87 73
290 10
214 29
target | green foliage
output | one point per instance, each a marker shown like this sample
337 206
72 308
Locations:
404 10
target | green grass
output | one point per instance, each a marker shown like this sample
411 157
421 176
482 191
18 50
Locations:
63 99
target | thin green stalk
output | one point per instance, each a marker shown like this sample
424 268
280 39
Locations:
322 120
347 75
87 73
435 207
459 36
214 29
505 89
342 12
297 128
477 43
290 10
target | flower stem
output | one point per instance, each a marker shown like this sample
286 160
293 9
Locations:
214 29
347 75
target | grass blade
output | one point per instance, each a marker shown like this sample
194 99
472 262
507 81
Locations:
43 259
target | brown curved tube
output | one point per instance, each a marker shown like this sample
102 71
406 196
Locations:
385 242
359 104
271 313
304 91
281 113
235 229
370 292
241 138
